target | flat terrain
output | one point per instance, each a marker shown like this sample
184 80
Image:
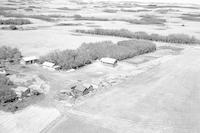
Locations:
164 99
153 93
55 21
156 92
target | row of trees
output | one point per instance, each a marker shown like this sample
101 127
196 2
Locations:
88 52
172 38
14 21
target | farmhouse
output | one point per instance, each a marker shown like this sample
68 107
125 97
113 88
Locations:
109 61
50 66
29 60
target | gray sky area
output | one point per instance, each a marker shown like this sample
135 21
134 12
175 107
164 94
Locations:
162 1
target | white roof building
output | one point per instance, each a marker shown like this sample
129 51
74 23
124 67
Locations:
108 60
48 64
30 58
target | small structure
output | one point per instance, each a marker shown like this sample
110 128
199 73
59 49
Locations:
50 66
109 61
29 60
80 90
22 91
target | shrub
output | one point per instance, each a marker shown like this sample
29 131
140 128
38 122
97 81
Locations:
88 52
9 54
6 93
172 38
15 22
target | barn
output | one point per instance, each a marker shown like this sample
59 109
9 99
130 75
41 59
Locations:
29 60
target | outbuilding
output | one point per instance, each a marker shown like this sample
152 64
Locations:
109 61
29 60
50 66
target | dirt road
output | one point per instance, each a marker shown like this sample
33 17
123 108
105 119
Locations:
164 99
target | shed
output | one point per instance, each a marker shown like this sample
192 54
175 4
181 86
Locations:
50 66
29 60
110 61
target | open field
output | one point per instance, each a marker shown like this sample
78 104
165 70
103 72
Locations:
154 88
53 22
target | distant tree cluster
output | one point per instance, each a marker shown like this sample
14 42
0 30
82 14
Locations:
88 52
9 54
172 38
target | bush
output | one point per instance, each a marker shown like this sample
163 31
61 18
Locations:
172 38
15 22
6 93
9 54
88 52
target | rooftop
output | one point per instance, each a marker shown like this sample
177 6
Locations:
108 60
29 58
48 64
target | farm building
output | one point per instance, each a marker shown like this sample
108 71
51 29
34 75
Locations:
50 66
29 60
109 61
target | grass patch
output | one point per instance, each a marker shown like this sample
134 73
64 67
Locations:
79 17
69 24
7 8
10 27
191 17
68 9
139 10
15 22
153 6
110 11
176 49
145 19
172 38
89 52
